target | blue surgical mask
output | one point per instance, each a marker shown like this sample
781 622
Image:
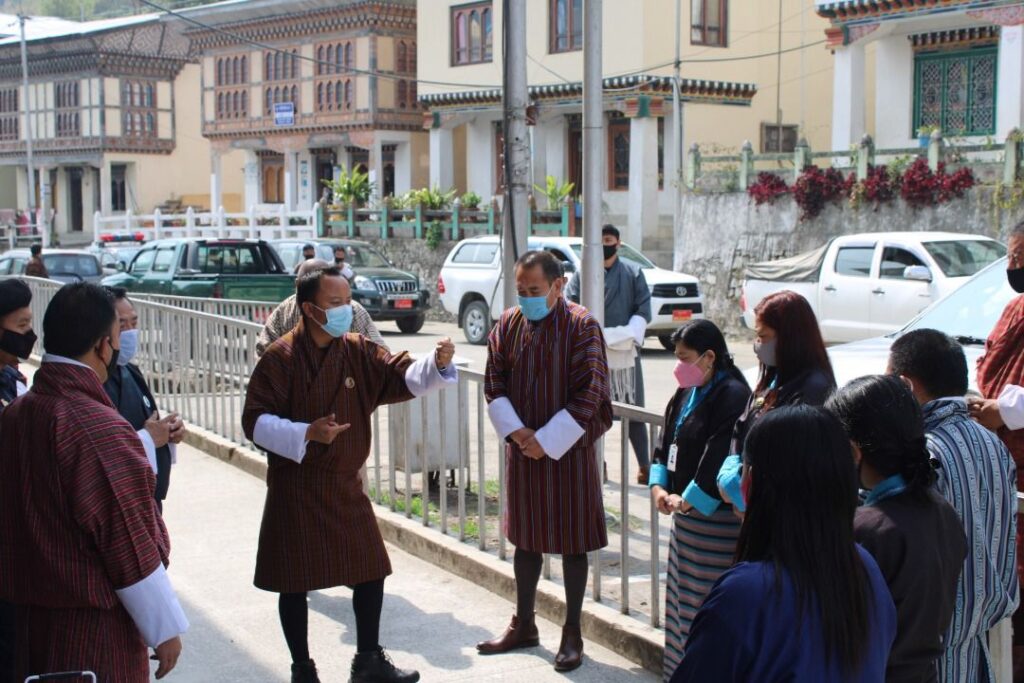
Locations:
339 320
129 346
535 307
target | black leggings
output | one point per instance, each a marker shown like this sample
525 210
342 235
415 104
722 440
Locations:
528 565
367 600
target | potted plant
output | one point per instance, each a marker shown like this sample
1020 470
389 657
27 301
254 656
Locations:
555 192
350 188
470 201
924 134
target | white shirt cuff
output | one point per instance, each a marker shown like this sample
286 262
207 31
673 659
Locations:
621 335
1011 406
174 453
281 437
149 446
504 417
638 326
154 608
559 435
423 377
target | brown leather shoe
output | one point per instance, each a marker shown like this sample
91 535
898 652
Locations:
570 652
518 635
642 475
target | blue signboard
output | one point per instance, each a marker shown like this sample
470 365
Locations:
284 114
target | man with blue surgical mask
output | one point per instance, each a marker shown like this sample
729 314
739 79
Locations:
131 396
308 406
548 398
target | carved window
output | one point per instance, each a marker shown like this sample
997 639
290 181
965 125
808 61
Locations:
956 91
10 118
619 132
139 108
565 25
68 115
471 33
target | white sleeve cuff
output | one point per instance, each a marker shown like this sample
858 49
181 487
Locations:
614 336
281 437
423 377
174 453
504 417
1011 406
559 434
638 326
154 608
149 446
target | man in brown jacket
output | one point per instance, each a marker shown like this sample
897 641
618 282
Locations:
35 266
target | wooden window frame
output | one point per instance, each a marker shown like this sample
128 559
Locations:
723 28
142 103
785 127
621 122
486 54
553 35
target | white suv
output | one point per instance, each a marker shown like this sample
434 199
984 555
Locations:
470 285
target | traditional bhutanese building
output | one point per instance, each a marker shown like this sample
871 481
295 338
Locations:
728 52
902 66
111 119
293 90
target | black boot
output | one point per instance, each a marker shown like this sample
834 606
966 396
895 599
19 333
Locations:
377 667
305 672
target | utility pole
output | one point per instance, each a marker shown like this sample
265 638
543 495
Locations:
778 88
516 227
677 127
592 274
31 186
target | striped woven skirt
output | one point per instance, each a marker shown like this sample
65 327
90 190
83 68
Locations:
700 551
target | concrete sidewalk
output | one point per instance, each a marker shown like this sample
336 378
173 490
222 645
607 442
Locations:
431 618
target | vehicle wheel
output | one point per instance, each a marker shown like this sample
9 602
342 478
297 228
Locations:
476 322
411 325
666 341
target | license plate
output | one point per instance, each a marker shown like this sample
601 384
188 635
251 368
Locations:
404 303
681 316
408 296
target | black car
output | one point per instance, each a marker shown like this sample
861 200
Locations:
386 292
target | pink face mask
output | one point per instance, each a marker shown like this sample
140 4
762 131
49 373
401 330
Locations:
688 375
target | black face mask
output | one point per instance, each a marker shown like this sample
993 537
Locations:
610 250
1016 278
339 262
18 344
112 365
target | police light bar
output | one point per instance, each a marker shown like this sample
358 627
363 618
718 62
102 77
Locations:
123 237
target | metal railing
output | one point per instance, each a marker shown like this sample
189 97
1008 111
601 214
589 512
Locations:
198 364
241 309
256 223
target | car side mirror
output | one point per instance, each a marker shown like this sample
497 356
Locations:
917 273
120 267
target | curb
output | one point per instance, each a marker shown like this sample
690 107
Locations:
602 624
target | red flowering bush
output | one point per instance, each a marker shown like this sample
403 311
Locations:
815 188
922 187
767 188
879 186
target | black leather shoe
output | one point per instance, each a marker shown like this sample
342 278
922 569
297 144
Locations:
305 672
518 635
570 652
377 667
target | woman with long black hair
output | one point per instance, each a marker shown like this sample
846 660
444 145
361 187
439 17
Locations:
795 369
804 602
914 535
696 439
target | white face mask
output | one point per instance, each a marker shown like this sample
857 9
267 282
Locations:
129 347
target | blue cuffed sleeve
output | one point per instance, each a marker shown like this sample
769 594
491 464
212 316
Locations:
702 502
729 476
658 476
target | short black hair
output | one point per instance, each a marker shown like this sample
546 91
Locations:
308 286
36 249
119 293
933 360
78 317
308 246
609 229
14 294
551 266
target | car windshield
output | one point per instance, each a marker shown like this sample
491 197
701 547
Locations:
970 313
963 258
625 251
356 256
83 265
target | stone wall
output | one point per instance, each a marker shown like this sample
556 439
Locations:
416 257
718 234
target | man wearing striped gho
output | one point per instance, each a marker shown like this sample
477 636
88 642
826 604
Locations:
308 405
548 397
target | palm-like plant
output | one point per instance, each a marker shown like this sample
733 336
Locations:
555 192
351 188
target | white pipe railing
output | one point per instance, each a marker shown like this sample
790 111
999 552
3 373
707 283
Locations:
256 223
198 355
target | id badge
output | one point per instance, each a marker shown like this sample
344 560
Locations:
673 453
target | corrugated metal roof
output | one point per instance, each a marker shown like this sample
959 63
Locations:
50 28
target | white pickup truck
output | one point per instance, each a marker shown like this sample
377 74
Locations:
469 285
871 284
